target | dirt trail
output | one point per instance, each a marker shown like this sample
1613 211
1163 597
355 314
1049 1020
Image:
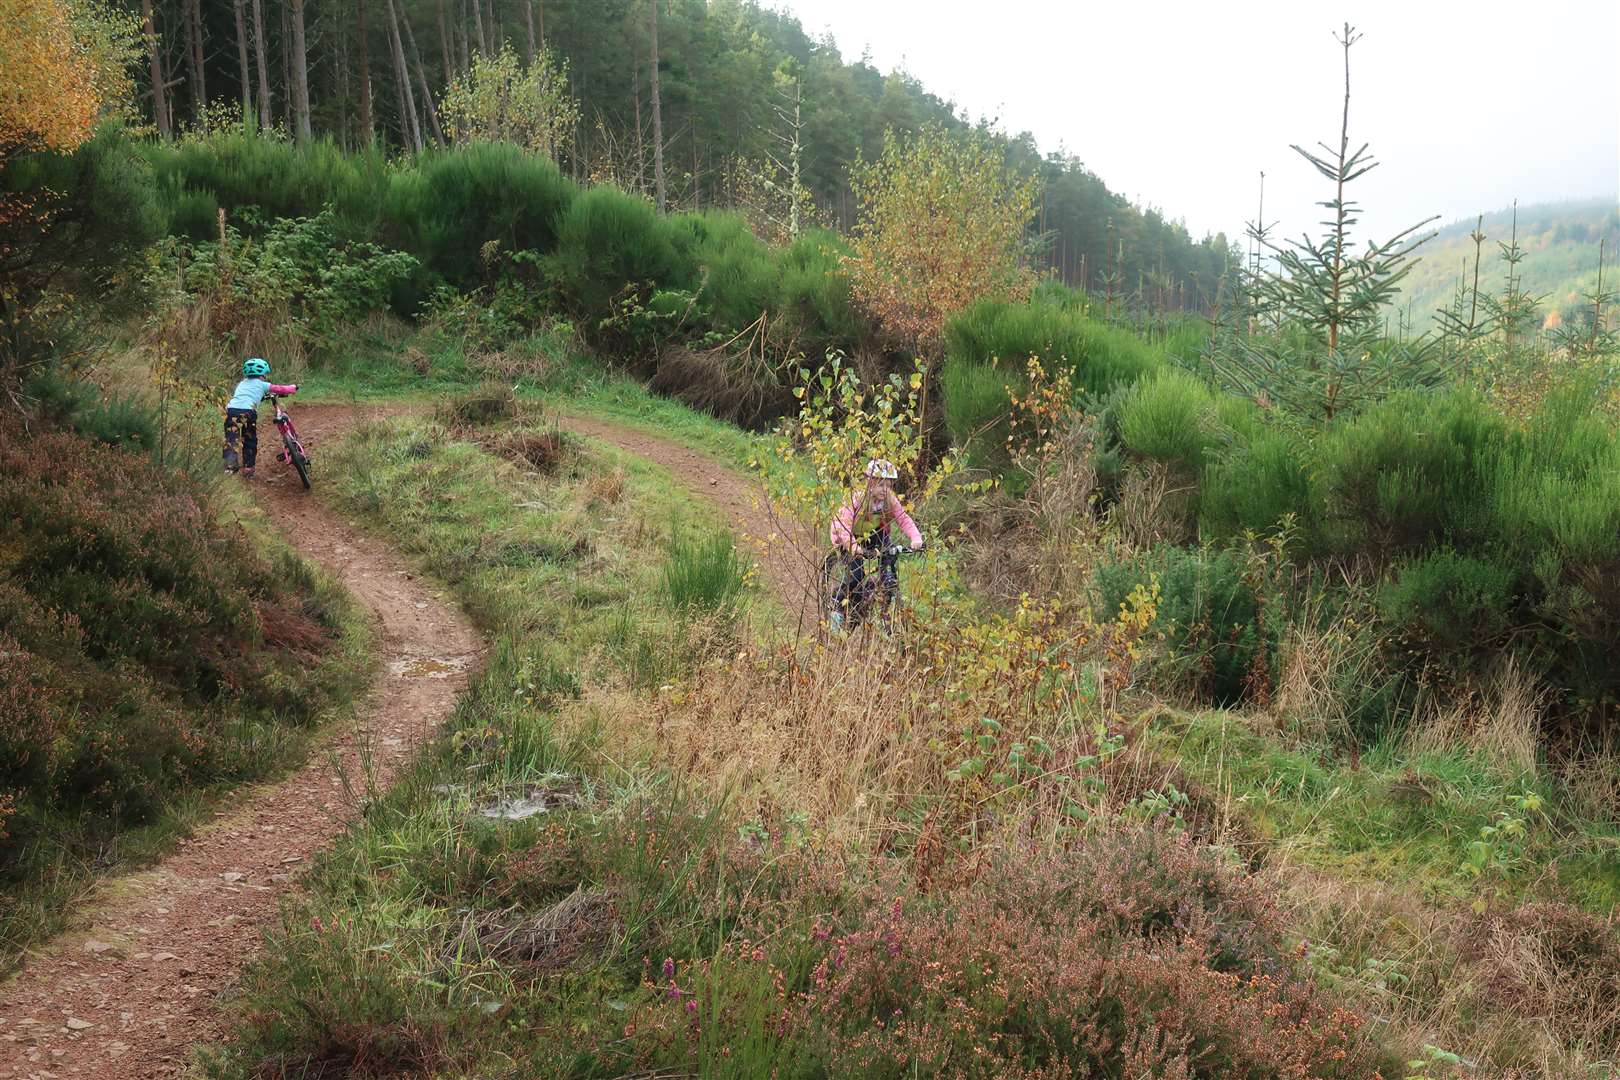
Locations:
788 564
131 994
128 996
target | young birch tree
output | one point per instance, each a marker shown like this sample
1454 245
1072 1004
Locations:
941 223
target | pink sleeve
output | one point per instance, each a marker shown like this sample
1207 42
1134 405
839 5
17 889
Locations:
842 524
903 519
283 390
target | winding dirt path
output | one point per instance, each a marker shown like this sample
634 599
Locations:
130 994
788 562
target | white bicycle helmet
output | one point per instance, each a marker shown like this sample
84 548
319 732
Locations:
879 469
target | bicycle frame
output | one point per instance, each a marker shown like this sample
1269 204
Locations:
873 593
293 451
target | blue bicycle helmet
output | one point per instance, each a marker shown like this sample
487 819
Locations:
255 366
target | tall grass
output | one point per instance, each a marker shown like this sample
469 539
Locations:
706 575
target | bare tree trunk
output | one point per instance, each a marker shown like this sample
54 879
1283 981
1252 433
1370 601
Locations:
300 74
286 62
264 73
528 19
367 128
461 29
413 127
242 58
154 64
444 44
194 58
421 76
540 21
657 115
478 24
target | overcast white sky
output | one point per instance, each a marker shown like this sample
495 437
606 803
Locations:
1180 104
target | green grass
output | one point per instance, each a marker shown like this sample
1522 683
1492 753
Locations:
1397 816
704 576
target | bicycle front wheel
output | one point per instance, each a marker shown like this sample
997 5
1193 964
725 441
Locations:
295 454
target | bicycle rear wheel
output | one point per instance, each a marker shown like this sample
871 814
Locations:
295 454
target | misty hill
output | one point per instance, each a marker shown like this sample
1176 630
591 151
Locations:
1560 241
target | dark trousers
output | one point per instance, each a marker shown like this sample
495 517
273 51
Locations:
241 428
854 597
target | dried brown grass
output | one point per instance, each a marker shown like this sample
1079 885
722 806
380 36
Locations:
1500 721
1529 991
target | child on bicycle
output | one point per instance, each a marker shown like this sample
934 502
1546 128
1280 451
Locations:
860 529
242 415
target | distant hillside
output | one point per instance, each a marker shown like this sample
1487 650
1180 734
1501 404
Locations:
1560 241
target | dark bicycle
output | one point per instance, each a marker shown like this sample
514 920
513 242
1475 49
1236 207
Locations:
846 602
292 447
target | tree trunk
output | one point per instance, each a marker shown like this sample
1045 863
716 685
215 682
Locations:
286 61
264 72
367 128
194 58
462 35
421 77
657 115
241 57
444 44
540 21
478 24
528 19
413 127
154 64
300 74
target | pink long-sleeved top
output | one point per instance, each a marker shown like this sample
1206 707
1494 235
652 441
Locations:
854 519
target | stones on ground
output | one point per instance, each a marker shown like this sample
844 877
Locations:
232 876
75 1024
98 947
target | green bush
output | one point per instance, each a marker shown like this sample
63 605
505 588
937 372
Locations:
1413 471
815 301
1171 417
1099 356
1449 604
1208 611
611 244
989 341
739 278
448 205
1254 486
239 170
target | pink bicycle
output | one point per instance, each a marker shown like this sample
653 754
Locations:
292 447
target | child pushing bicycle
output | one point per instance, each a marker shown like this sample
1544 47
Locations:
242 415
861 529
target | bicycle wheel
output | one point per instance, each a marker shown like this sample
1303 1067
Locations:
295 454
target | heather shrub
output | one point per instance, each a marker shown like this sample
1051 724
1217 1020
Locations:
1099 962
130 632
